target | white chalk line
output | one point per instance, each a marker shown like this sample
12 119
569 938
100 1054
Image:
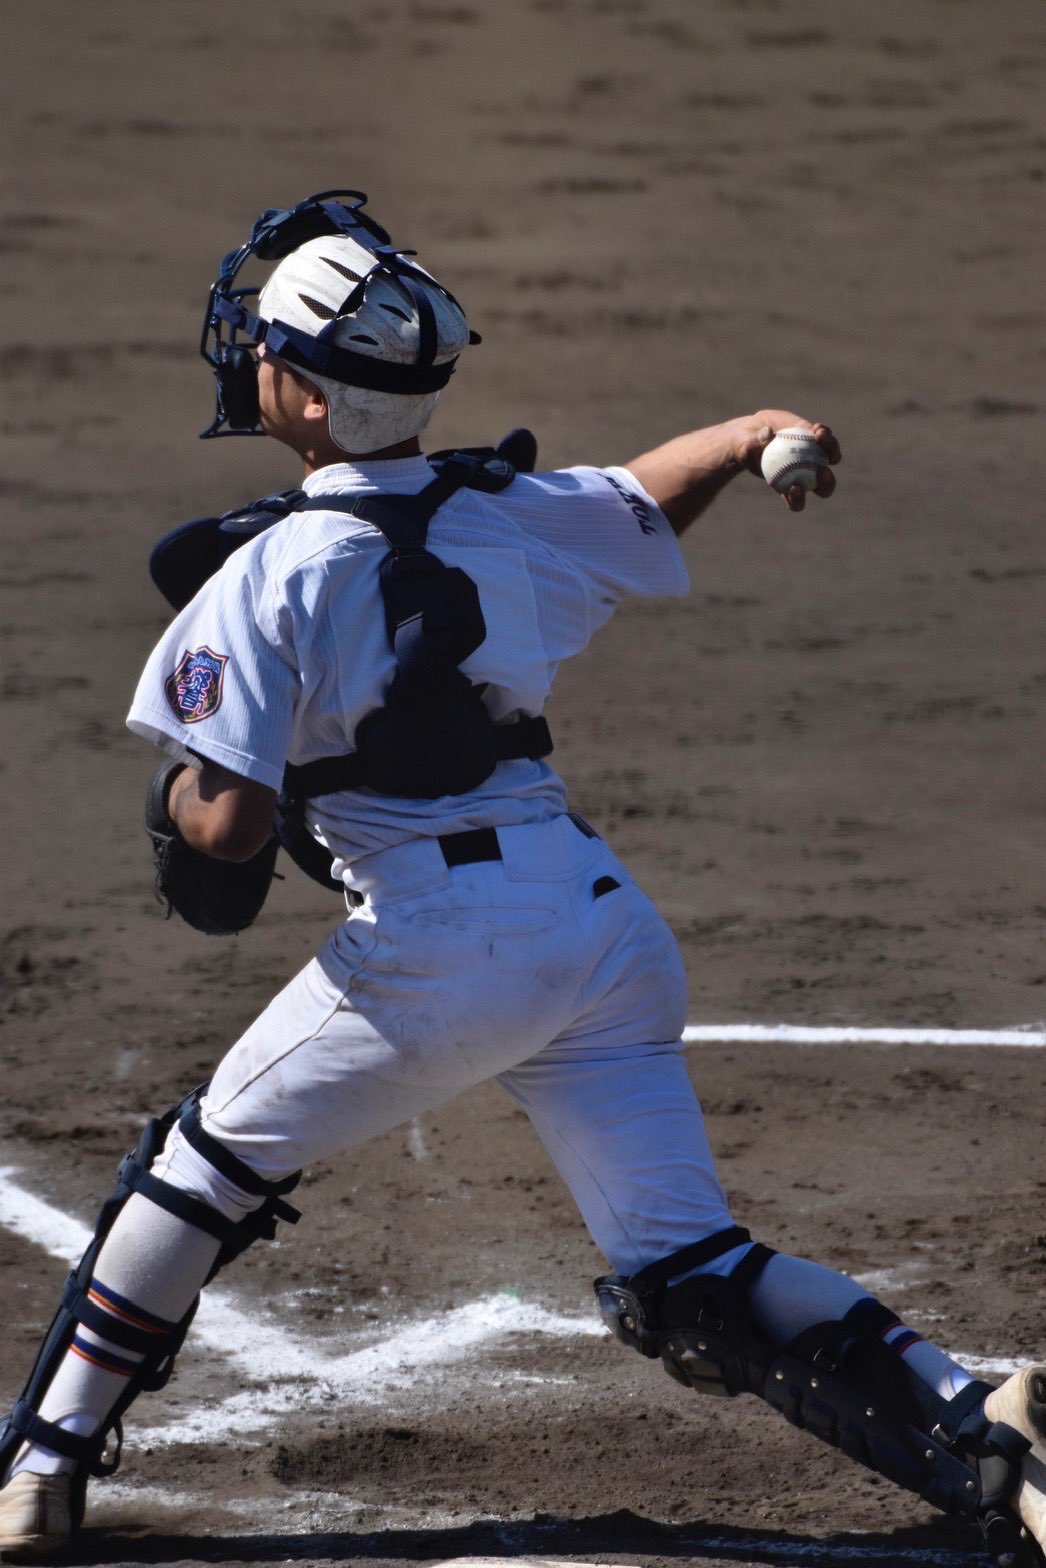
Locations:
286 1371
1026 1035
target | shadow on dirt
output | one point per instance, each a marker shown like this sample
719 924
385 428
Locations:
930 1546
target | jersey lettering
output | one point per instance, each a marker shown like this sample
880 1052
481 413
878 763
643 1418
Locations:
637 507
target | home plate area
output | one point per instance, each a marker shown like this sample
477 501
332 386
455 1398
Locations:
502 1426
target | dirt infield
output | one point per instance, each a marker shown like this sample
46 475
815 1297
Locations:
825 765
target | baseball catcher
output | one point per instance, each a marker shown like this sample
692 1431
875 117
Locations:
359 667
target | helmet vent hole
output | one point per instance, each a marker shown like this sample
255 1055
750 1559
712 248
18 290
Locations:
364 337
318 308
346 272
394 310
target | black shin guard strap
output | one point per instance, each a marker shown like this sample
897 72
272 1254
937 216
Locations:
230 1165
141 1341
994 1450
87 1452
657 1275
174 1201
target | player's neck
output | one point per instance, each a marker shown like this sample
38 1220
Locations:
314 460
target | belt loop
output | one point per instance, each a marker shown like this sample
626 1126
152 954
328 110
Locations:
582 826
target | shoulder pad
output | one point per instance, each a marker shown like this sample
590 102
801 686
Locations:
261 514
186 557
517 451
520 448
481 468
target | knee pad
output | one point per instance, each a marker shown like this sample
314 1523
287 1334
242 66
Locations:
233 1235
76 1307
701 1326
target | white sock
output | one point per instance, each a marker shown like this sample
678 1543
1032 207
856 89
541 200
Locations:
929 1364
149 1272
792 1294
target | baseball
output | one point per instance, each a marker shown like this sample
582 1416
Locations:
793 457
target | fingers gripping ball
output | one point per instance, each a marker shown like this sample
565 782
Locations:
217 897
793 457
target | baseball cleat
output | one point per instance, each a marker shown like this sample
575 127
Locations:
35 1515
1021 1403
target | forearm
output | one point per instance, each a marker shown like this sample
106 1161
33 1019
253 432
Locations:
686 474
220 813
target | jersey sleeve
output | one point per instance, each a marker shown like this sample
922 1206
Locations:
222 683
604 523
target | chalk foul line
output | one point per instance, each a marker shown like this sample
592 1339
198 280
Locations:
1029 1035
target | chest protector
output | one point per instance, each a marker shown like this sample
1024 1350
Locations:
433 735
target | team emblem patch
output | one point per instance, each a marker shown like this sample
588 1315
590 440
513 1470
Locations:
194 691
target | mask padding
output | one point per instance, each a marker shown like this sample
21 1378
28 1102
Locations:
238 388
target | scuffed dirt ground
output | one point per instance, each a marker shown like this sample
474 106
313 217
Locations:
825 765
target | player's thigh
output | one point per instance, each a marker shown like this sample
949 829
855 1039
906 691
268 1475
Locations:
624 1128
612 1099
401 1010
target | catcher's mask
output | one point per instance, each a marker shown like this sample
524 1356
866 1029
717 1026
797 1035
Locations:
332 364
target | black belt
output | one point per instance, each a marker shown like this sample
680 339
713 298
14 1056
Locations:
465 849
462 849
459 849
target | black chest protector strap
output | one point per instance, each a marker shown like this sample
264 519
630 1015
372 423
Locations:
433 736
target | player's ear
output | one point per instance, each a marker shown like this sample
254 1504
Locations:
315 404
312 404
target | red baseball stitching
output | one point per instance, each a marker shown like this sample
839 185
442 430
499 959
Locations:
788 467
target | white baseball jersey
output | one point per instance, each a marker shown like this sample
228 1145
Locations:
283 652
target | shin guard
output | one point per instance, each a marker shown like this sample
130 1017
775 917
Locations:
836 1380
95 1455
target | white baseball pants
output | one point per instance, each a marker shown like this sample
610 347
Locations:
548 970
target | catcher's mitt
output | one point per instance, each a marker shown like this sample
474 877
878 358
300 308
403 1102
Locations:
217 897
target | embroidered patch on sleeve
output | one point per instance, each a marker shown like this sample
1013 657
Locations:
194 691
